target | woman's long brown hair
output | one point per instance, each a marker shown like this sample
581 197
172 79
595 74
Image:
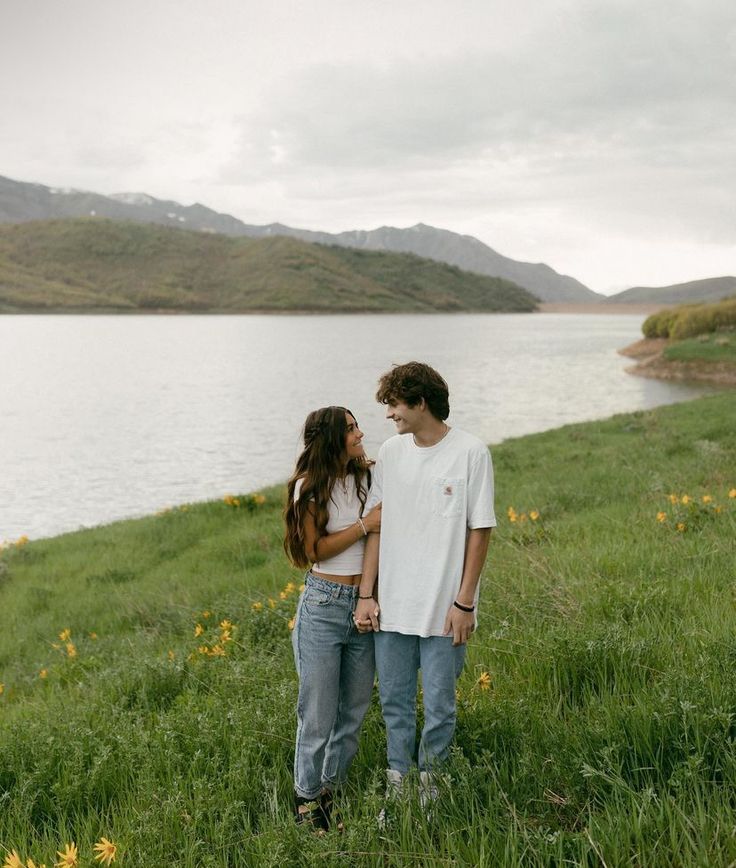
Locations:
320 465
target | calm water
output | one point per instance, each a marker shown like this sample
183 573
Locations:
107 417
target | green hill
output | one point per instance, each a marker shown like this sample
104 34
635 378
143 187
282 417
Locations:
149 686
709 289
101 265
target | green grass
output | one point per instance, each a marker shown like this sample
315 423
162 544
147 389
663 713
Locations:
718 347
101 265
607 735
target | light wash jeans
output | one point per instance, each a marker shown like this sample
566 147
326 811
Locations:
398 660
336 669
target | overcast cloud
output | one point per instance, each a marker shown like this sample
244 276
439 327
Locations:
599 137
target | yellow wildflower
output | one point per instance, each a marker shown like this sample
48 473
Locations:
43 673
105 851
93 636
13 860
257 607
206 614
198 630
511 513
65 635
661 516
732 492
203 649
226 625
719 509
172 656
71 650
534 515
259 499
484 681
283 595
680 527
522 517
302 588
292 621
674 498
271 603
69 858
706 498
31 864
290 588
685 499
2 688
218 651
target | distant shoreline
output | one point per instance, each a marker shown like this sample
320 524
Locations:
543 307
598 307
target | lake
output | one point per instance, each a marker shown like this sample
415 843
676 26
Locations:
105 417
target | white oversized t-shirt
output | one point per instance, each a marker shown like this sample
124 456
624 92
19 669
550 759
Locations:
432 496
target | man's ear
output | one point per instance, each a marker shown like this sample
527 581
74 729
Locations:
422 405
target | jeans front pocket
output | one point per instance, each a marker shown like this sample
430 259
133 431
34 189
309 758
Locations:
448 496
316 596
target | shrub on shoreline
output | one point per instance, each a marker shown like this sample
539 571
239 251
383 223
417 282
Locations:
689 320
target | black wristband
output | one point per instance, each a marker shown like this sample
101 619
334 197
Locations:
369 597
463 608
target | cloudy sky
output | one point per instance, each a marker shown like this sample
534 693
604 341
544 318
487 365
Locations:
598 136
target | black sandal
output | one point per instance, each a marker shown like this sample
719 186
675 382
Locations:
325 807
309 812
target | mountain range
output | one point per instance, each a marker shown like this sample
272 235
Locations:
22 201
709 289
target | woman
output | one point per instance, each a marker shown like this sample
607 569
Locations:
325 527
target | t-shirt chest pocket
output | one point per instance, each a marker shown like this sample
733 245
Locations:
448 496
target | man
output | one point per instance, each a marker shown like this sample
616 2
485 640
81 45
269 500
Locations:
436 485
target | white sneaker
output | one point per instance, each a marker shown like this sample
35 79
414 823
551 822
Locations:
394 783
429 790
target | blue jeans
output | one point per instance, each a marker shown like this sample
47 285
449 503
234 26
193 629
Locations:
336 669
398 660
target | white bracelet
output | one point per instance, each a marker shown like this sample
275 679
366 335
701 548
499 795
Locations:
362 526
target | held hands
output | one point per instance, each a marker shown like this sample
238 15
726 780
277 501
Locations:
366 615
372 520
460 624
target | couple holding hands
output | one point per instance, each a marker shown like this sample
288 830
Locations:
422 514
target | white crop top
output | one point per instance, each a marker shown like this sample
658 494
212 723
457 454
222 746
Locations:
343 510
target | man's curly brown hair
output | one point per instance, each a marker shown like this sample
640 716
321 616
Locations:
410 383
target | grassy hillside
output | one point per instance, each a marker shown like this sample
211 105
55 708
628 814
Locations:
709 289
86 265
597 712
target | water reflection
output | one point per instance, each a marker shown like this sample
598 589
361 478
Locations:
106 417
